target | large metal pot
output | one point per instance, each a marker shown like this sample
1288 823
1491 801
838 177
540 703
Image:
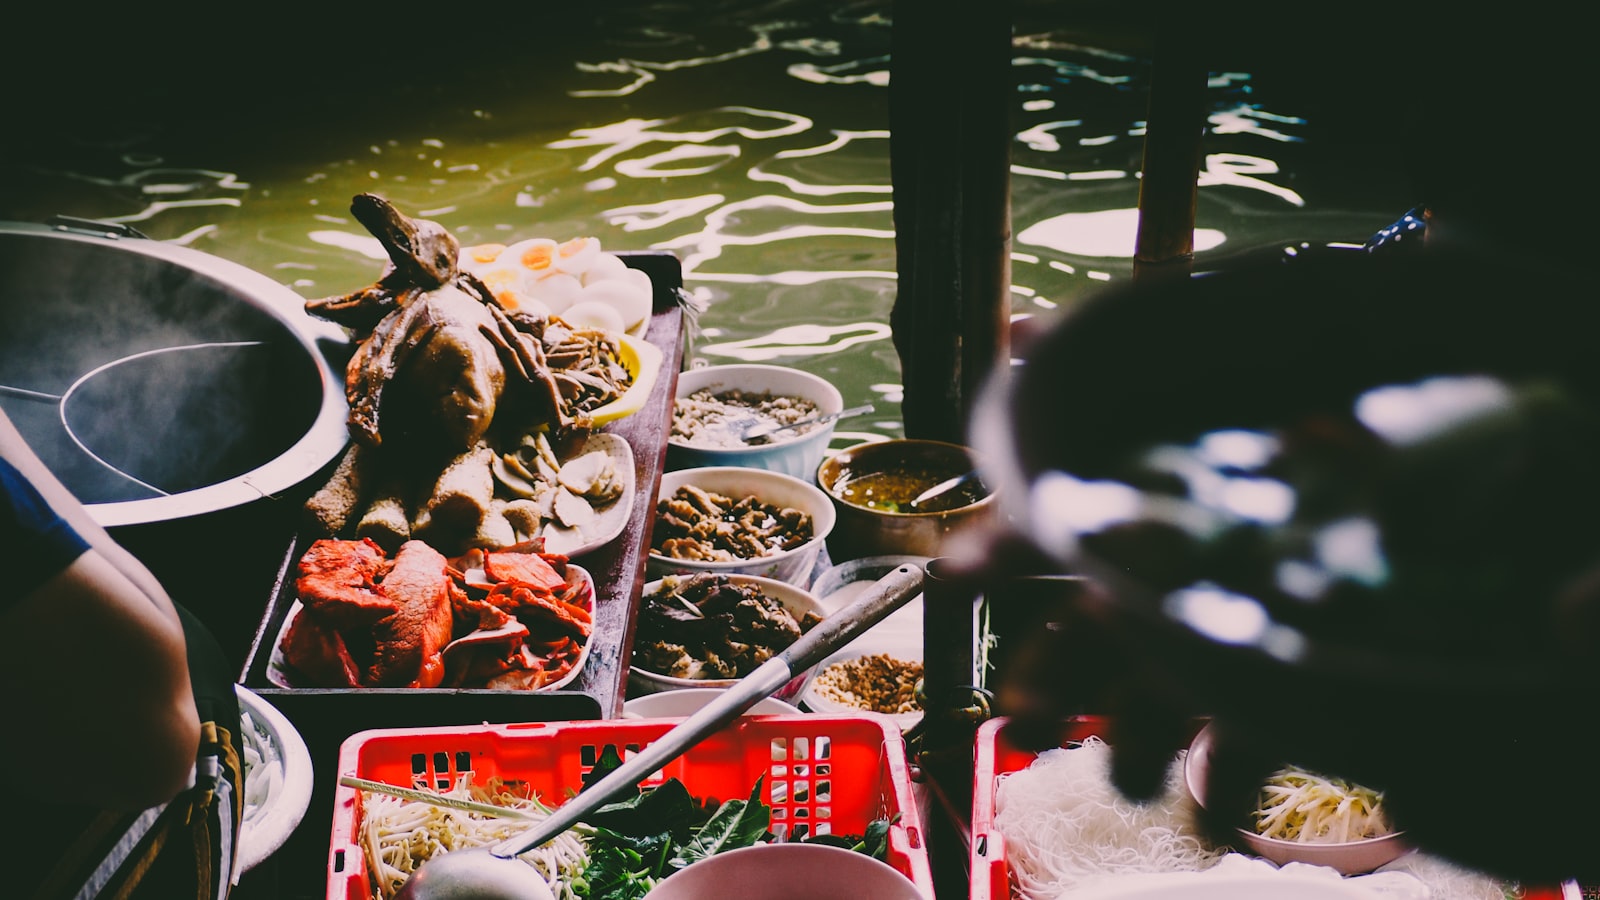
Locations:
159 382
188 401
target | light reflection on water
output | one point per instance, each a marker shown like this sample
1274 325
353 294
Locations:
750 143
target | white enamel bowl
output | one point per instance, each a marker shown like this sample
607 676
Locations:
792 453
797 601
794 565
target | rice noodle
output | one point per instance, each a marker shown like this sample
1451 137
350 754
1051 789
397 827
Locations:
399 835
1065 824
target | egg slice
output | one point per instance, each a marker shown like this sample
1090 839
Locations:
576 256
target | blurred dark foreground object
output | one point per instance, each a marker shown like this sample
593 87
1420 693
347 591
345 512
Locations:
1350 508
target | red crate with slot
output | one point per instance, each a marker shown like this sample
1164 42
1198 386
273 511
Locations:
824 774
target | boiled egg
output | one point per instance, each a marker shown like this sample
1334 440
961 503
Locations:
556 291
606 265
514 288
576 256
595 314
537 255
479 258
628 295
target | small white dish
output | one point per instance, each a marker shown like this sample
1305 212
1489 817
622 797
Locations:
609 520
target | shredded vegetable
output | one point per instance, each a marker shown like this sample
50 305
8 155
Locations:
1297 805
263 770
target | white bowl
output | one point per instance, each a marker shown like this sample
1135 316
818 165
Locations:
793 565
817 703
793 871
688 701
799 602
278 787
791 453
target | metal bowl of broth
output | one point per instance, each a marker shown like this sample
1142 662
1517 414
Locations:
872 485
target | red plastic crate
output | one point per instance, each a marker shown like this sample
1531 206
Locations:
993 756
824 774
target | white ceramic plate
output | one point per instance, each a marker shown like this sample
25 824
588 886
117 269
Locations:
277 781
278 670
609 519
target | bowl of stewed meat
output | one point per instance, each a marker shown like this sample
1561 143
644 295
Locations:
715 406
709 631
730 520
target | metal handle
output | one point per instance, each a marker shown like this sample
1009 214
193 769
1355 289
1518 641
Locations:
886 595
113 230
764 430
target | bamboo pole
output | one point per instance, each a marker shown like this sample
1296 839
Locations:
950 144
1175 125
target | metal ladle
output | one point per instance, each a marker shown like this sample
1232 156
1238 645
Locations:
495 873
942 488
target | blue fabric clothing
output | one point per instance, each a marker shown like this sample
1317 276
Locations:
35 542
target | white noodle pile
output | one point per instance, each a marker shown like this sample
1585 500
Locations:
1065 824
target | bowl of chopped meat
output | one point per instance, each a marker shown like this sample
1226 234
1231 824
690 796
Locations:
709 631
730 520
716 405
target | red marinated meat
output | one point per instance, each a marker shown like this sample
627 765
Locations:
409 643
319 654
527 567
338 582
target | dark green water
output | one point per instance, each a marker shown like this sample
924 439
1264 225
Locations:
750 139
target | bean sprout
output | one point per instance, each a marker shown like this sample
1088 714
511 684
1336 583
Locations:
1302 806
399 835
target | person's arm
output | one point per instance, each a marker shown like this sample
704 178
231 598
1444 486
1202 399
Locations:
96 678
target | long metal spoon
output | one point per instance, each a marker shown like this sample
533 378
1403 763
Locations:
495 873
762 429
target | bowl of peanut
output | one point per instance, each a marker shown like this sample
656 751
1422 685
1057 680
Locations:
857 679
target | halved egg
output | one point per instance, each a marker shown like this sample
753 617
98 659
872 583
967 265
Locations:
575 256
479 258
537 255
514 288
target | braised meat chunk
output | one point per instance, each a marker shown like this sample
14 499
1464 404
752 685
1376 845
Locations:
710 627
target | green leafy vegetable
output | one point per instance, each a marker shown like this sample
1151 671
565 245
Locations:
736 824
874 843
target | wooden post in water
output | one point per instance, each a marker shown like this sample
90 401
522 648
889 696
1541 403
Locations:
950 95
1174 127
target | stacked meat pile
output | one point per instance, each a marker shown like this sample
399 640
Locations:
514 618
